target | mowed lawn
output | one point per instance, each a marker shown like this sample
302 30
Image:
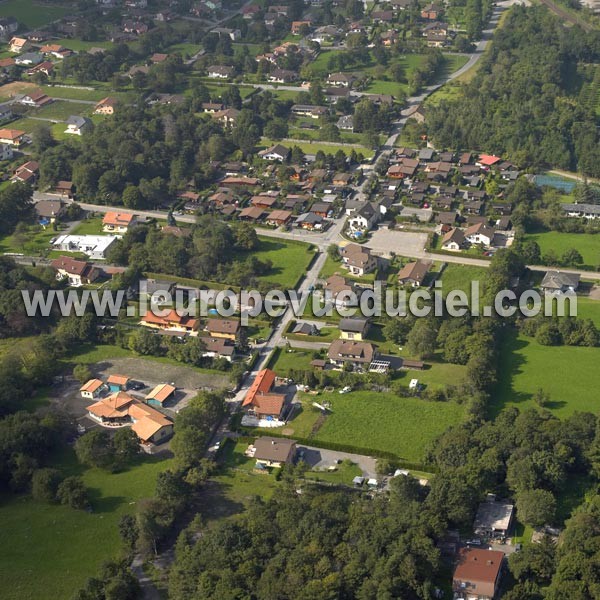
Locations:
376 421
569 374
49 551
459 277
587 244
290 260
32 14
589 309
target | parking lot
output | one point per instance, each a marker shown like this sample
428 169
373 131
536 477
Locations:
403 243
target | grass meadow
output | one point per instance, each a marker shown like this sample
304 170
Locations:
587 244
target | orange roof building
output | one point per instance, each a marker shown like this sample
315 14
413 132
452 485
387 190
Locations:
260 401
117 222
478 573
120 409
172 322
91 389
160 394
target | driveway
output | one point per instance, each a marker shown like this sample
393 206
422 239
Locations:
321 458
403 243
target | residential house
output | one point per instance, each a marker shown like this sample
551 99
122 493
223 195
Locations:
115 222
493 519
56 50
582 211
446 218
18 44
487 160
357 354
277 152
158 58
232 34
77 125
341 79
49 210
45 67
480 233
478 573
340 290
264 202
431 12
92 389
65 189
279 217
35 98
95 246
382 16
252 213
297 26
261 401
274 452
27 173
346 123
75 272
29 58
353 328
358 259
560 282
310 221
309 110
389 38
227 117
220 72
136 27
414 273
161 394
212 107
106 106
171 320
364 218
320 208
224 328
303 328
282 76
454 240
218 348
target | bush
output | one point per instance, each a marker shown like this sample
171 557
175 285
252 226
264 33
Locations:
44 484
72 492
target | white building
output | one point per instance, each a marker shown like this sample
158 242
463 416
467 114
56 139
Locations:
95 246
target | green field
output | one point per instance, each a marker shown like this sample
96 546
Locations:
570 376
91 226
588 309
74 93
34 242
290 260
587 244
61 110
32 14
309 147
404 426
81 45
49 551
459 277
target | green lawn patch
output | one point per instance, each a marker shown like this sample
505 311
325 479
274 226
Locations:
49 551
588 309
35 241
385 422
91 226
459 277
60 110
312 147
74 93
290 260
568 374
32 14
587 244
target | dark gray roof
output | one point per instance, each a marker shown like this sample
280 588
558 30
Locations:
353 324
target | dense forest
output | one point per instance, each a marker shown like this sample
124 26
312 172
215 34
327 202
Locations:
523 101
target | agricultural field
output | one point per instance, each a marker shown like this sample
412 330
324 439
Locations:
371 420
30 13
569 374
588 309
63 546
587 244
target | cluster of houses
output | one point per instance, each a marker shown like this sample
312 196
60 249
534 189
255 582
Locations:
114 406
